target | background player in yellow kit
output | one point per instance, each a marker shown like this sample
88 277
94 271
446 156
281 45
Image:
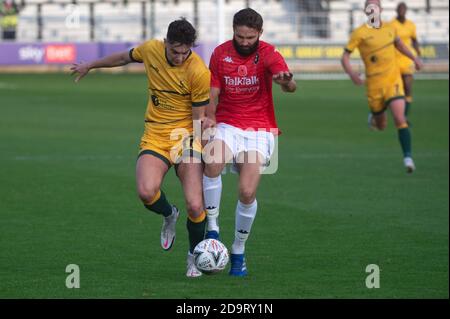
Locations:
406 31
378 46
178 84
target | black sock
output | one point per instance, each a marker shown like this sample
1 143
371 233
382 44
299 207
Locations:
196 231
407 108
161 206
404 136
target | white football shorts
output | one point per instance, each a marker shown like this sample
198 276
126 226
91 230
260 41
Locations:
239 140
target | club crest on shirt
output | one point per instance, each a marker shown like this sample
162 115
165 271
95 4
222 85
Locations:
155 100
242 70
181 84
256 60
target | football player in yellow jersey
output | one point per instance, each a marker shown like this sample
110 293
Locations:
178 85
406 31
377 44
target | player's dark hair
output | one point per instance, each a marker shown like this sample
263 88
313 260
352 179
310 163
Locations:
402 4
249 18
181 31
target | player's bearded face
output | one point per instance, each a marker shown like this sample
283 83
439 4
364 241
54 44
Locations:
246 40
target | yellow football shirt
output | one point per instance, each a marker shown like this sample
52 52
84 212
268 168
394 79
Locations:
406 32
173 90
378 52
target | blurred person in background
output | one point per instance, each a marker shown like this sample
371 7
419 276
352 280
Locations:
406 31
378 44
9 18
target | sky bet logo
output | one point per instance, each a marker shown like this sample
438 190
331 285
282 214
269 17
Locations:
51 53
31 53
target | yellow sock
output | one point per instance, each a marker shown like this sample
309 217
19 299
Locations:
198 219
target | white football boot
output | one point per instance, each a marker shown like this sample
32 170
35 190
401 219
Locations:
409 164
192 270
168 229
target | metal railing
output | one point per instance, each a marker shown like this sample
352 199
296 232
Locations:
286 21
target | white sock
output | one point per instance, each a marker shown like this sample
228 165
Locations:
212 191
245 215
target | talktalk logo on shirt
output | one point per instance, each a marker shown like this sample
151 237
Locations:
236 81
60 53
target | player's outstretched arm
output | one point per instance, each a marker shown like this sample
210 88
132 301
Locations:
209 121
210 113
286 81
416 47
404 49
345 60
198 115
110 61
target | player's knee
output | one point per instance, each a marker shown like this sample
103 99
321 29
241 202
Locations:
147 192
247 195
213 170
194 208
401 122
402 125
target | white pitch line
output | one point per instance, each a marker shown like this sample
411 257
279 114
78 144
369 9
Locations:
293 155
361 155
7 86
47 158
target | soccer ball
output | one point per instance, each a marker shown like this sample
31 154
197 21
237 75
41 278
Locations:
211 256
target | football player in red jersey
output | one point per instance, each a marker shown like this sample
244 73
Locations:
241 113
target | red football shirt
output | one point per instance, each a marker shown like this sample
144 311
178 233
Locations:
245 84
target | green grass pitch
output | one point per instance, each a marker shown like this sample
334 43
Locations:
341 199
